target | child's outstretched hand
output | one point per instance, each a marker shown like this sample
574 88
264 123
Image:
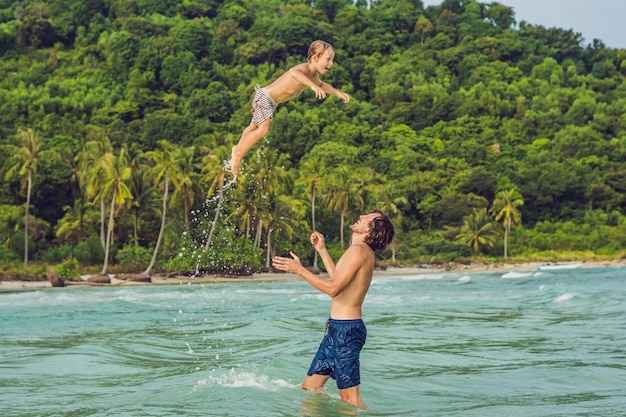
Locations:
343 96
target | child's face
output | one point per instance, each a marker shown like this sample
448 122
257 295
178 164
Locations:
324 62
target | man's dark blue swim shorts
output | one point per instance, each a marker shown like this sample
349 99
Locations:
338 354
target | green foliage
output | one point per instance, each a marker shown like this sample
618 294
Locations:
446 250
228 254
57 254
8 255
68 269
134 258
451 105
89 252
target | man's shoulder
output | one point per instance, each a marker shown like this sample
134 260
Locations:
360 249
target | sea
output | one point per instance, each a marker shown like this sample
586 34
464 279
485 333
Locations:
524 343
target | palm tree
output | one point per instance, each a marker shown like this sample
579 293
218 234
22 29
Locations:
95 151
214 175
344 194
246 210
505 208
145 198
478 231
24 161
164 159
388 201
70 160
265 178
72 224
280 216
184 179
10 222
311 174
115 173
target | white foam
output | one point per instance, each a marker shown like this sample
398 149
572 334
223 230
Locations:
517 274
245 379
564 297
464 279
419 277
311 296
271 291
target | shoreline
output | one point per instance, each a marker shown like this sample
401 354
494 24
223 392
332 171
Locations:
160 279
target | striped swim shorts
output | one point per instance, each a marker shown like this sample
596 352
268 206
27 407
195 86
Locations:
263 106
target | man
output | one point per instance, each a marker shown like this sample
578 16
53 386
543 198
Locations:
348 283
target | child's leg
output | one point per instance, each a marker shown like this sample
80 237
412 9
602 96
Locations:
250 136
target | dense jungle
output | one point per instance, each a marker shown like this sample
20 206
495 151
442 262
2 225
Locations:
484 138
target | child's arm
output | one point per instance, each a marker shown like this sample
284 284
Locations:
329 89
302 78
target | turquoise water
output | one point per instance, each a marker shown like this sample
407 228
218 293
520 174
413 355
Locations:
480 344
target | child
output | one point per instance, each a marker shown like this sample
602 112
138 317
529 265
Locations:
287 86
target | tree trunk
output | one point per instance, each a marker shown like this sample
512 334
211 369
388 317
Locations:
257 237
341 231
220 197
26 213
148 270
136 229
187 202
269 248
102 216
315 267
506 236
107 244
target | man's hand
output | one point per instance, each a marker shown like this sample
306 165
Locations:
291 265
317 240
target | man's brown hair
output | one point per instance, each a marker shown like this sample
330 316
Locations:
381 232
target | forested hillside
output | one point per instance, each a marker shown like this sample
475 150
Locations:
479 135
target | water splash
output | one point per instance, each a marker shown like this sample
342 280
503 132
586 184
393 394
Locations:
229 184
238 378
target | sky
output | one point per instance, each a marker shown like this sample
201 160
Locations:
594 19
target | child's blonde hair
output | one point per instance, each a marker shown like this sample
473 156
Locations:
317 48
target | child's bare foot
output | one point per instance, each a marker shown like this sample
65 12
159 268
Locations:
235 161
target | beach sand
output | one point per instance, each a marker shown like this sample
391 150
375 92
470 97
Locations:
158 279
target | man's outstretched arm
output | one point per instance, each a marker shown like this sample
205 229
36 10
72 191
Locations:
350 265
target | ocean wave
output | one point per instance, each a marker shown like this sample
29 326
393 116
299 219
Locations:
515 274
564 297
420 277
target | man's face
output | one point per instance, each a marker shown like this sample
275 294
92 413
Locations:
362 224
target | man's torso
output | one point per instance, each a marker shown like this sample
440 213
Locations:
347 304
